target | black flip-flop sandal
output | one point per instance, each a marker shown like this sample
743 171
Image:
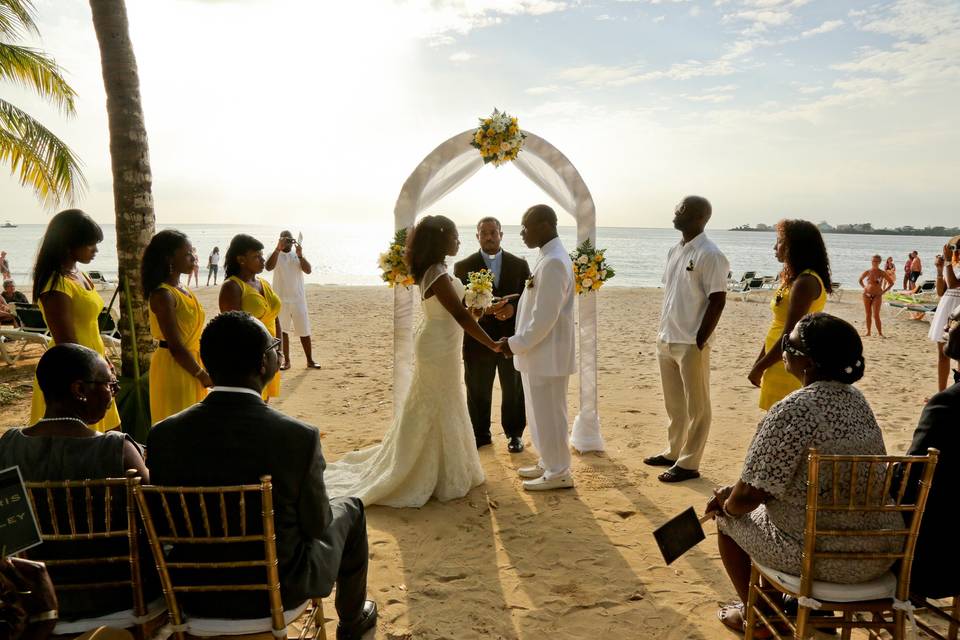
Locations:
678 474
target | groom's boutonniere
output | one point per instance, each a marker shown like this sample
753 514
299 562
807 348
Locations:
529 283
690 266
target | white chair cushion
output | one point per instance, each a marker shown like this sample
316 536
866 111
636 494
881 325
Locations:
117 619
877 589
237 627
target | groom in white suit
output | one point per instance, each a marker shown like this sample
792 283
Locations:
544 349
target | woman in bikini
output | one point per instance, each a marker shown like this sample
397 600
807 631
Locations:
875 282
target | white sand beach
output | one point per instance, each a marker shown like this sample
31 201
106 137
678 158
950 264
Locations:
502 563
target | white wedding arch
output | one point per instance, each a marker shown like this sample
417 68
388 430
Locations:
444 169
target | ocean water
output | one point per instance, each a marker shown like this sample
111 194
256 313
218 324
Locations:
346 254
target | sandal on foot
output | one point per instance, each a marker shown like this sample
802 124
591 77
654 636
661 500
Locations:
659 461
678 474
732 617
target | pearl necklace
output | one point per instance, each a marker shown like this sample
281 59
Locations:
66 418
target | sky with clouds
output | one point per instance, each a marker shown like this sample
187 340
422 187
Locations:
312 112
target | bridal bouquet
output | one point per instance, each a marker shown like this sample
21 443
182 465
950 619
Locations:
590 268
392 264
479 293
498 138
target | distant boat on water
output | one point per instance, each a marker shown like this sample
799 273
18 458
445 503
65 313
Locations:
8 225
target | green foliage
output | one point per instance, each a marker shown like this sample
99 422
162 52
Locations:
36 156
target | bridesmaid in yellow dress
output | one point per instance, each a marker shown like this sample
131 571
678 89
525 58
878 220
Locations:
805 284
67 298
177 377
243 290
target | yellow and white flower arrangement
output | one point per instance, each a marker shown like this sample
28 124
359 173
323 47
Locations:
479 294
392 264
590 268
498 138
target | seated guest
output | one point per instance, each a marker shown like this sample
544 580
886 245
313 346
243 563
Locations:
11 295
232 437
936 571
762 516
78 387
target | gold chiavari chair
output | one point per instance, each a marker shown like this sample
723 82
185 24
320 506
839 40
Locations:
943 612
870 479
90 539
214 543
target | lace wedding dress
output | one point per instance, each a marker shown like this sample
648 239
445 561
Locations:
430 449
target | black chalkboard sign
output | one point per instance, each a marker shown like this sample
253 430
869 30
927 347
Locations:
18 524
680 534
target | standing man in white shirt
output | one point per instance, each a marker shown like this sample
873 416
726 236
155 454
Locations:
694 294
290 266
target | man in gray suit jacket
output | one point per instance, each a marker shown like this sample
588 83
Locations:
233 437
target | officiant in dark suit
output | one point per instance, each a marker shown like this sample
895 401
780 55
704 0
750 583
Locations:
481 365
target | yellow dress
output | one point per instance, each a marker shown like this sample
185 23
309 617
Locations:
777 383
173 388
264 307
87 305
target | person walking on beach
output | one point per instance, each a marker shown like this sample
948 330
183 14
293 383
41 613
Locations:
195 272
694 294
4 265
481 365
891 270
875 283
213 265
906 271
289 268
916 268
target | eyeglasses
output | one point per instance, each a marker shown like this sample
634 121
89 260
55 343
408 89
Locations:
113 385
274 344
787 347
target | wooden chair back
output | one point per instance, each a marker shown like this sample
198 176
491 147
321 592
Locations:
869 480
199 517
86 514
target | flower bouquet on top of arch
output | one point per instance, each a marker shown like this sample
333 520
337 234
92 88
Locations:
590 267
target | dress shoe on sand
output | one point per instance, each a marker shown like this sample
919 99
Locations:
530 473
546 484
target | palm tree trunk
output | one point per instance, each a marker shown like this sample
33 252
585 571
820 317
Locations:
132 180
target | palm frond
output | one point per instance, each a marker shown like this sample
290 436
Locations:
16 18
38 158
34 69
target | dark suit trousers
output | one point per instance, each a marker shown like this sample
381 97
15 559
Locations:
338 557
480 368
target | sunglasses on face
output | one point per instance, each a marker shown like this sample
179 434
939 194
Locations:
787 347
274 344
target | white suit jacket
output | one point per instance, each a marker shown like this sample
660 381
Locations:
544 343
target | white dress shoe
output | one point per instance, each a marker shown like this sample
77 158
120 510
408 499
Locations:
530 472
546 484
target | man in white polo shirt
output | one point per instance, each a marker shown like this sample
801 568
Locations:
694 294
290 266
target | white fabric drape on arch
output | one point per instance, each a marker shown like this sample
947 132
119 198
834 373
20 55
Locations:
444 169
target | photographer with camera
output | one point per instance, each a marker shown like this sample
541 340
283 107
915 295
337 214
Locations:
948 288
289 265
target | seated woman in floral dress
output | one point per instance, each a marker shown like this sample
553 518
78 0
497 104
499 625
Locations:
761 517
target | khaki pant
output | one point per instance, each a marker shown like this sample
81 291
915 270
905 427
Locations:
685 376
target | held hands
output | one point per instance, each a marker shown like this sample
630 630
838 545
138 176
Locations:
503 346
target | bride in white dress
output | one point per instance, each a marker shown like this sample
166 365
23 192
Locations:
430 449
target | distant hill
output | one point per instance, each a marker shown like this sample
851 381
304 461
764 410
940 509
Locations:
866 229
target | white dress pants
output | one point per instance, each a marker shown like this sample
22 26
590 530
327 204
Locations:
545 398
685 375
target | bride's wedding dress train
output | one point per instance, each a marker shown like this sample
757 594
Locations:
430 449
